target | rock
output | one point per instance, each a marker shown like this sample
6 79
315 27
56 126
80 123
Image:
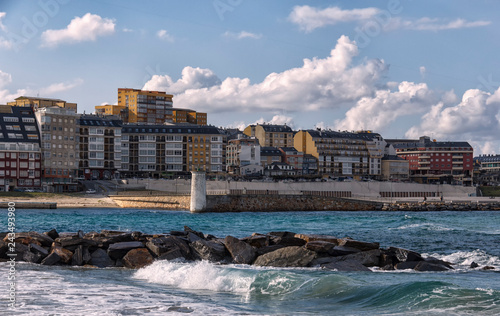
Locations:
161 245
240 251
343 250
406 265
361 245
488 268
51 259
282 234
20 249
63 253
68 242
29 256
77 259
427 266
474 265
118 250
38 249
52 234
438 261
293 256
209 250
189 230
345 266
103 241
257 240
403 255
80 234
194 237
31 237
137 258
179 233
368 258
171 255
309 238
286 241
100 258
320 246
3 249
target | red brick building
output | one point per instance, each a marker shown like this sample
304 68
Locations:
20 155
437 162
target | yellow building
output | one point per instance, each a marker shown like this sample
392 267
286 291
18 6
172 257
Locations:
271 135
152 107
188 116
36 102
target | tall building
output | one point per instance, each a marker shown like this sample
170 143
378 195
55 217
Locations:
99 149
243 156
271 135
163 150
36 103
152 107
338 153
437 162
20 159
59 148
187 116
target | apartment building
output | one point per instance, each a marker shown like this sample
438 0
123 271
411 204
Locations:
20 155
187 116
151 107
437 162
338 153
99 140
293 157
243 156
269 155
36 103
164 150
271 135
59 148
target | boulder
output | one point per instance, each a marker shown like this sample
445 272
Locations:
20 249
31 237
192 237
282 234
427 266
343 250
189 230
52 233
77 259
286 257
4 247
209 250
100 258
309 238
286 241
361 245
63 253
240 251
267 249
406 265
345 266
29 256
38 249
171 255
161 245
51 259
403 255
118 250
73 242
320 246
368 258
257 240
137 258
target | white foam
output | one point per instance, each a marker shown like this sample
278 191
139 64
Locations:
464 258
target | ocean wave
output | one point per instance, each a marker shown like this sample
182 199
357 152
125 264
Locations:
463 259
424 226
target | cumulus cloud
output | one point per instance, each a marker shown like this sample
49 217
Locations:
60 87
165 36
81 29
278 119
319 83
5 79
477 116
2 26
433 24
242 35
377 112
192 78
309 18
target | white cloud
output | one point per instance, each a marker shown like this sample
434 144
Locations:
80 29
163 35
422 70
433 24
60 87
378 112
310 18
2 26
192 78
277 120
242 35
5 79
317 84
126 30
476 117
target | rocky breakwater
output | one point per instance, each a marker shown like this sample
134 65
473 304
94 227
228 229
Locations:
275 249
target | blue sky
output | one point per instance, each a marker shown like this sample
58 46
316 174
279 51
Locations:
400 68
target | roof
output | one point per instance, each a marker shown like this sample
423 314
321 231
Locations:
94 120
170 129
269 151
276 128
431 145
21 134
488 158
392 157
37 98
338 134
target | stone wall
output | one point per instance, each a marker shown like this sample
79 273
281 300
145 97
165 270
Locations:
253 203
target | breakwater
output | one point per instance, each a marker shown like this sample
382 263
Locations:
31 205
274 249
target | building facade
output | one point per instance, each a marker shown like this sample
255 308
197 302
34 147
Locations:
243 156
269 155
99 148
338 153
20 155
437 162
36 103
165 150
152 107
59 148
293 157
271 135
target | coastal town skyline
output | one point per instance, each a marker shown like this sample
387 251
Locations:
396 67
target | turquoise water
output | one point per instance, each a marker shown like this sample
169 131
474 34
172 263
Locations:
203 288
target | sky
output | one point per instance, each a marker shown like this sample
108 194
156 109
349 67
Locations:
400 68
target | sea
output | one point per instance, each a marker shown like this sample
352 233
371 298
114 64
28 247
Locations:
204 288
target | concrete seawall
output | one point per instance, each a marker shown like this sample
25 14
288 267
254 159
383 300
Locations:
30 205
